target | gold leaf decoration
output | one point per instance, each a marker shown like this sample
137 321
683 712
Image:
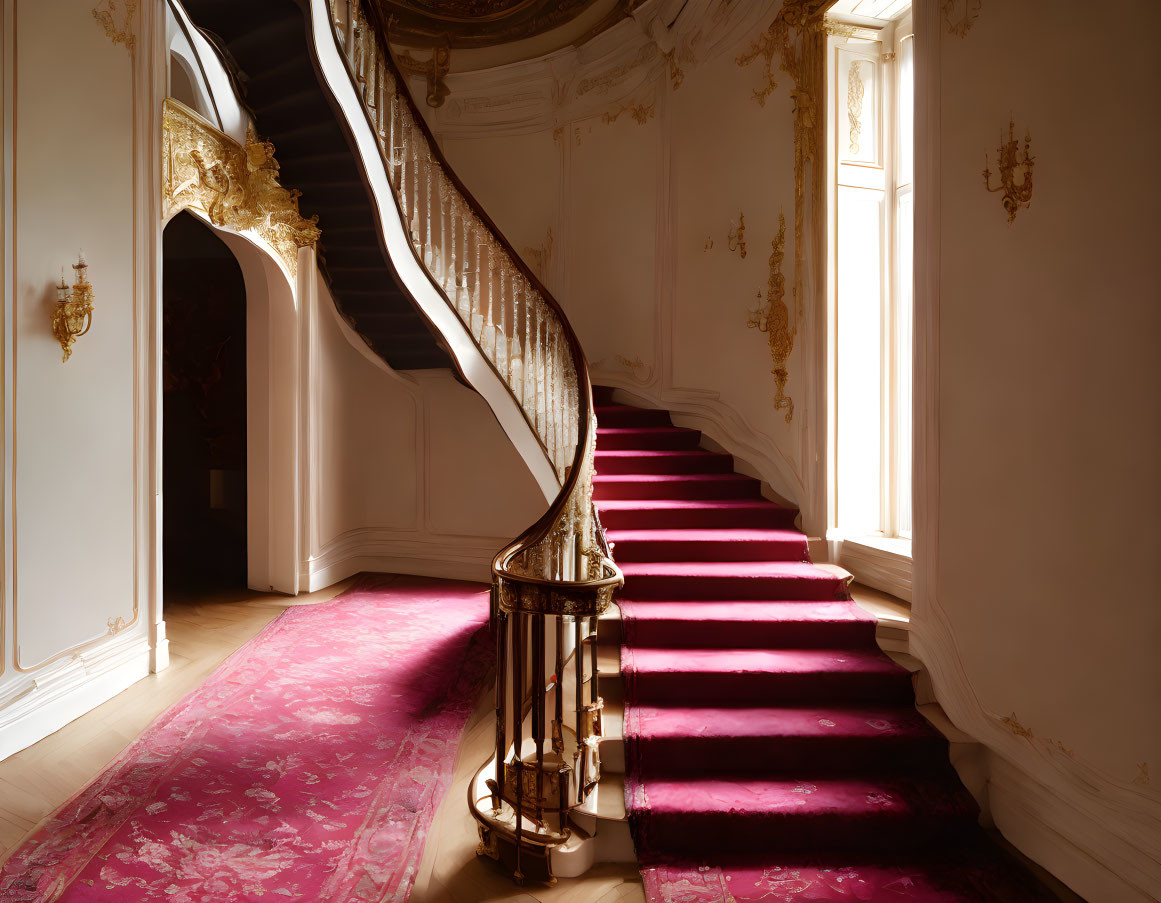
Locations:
959 25
641 113
774 320
236 187
117 20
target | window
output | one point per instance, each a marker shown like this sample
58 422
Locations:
870 156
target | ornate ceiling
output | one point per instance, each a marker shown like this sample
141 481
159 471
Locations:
477 23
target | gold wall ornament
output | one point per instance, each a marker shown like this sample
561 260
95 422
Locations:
1010 159
797 35
774 320
676 73
116 625
435 70
736 237
236 187
72 314
1142 777
960 15
117 20
640 113
855 94
540 258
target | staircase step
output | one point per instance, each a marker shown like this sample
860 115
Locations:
675 486
766 676
721 544
623 415
696 460
836 740
638 514
760 814
646 438
747 625
711 580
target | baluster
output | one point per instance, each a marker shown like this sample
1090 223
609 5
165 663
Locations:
518 726
539 651
531 299
447 225
501 690
430 209
579 668
349 43
500 339
516 340
371 64
479 257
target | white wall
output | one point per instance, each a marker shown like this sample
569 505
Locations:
1037 603
635 171
77 607
409 472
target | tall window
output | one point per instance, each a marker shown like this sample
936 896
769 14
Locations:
871 155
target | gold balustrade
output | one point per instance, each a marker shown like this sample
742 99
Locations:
550 585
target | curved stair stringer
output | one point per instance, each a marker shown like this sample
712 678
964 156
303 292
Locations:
473 365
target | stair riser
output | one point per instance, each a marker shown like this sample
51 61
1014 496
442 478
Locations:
693 518
675 440
726 550
650 586
748 635
693 756
664 464
830 687
786 833
690 489
632 419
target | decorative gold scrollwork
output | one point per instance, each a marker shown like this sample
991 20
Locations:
1010 159
736 237
236 187
855 93
960 25
775 321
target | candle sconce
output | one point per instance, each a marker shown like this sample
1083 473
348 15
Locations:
72 315
1010 159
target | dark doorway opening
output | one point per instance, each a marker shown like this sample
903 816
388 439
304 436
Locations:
204 411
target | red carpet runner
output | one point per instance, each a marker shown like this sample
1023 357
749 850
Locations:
308 767
774 752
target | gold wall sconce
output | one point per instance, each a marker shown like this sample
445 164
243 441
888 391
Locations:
1010 159
72 315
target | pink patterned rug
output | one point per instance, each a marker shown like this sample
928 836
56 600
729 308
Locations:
308 767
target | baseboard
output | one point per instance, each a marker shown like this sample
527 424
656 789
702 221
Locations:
48 700
1025 809
447 556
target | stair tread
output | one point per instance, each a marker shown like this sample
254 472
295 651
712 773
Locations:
661 660
747 611
799 570
708 722
662 504
858 797
706 534
675 478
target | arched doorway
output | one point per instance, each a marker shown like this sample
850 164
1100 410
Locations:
204 442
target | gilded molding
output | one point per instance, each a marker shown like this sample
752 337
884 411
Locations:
855 93
774 320
641 113
1010 159
797 35
117 20
603 82
236 187
962 24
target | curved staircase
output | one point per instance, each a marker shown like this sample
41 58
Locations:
773 751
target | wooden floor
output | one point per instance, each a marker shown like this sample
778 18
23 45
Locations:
203 630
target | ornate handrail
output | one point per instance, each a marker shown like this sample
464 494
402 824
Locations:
559 568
